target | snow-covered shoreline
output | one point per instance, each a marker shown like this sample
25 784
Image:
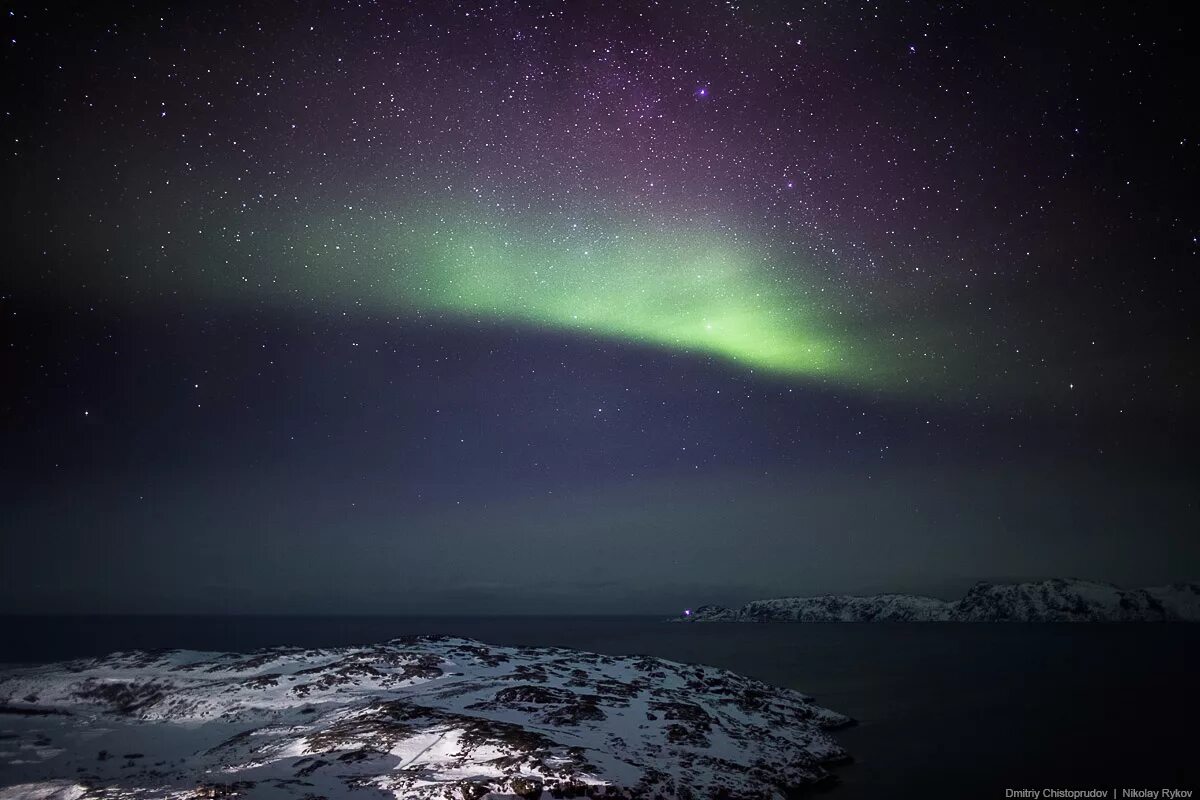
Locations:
1056 600
421 718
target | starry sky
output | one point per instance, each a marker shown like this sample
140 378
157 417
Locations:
591 307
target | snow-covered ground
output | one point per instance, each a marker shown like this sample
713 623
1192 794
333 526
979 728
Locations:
1056 600
422 718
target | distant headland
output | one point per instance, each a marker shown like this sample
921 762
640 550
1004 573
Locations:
1055 600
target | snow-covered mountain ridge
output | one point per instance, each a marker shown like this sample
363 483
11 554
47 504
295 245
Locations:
1056 600
423 718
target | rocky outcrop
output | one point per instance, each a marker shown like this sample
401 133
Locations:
420 718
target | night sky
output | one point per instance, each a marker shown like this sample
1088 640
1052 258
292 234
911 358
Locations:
560 307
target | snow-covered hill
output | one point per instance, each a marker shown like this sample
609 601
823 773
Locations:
1061 600
418 718
1056 600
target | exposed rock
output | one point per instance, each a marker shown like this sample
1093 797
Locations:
419 718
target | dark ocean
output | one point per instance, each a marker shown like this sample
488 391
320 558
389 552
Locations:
944 709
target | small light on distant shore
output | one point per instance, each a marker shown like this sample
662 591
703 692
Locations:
687 612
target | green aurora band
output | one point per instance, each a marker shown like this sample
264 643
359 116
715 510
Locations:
686 291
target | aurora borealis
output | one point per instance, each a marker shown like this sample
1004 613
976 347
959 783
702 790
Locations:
899 293
689 291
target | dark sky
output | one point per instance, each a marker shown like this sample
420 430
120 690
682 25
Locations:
566 307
